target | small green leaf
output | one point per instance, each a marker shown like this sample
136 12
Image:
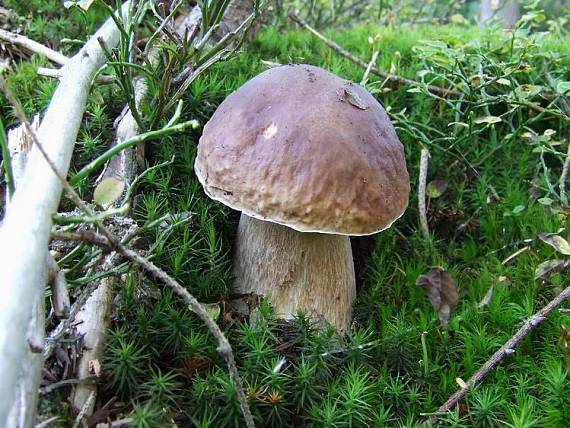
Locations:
213 310
415 90
545 201
436 188
108 191
518 209
557 242
563 88
504 82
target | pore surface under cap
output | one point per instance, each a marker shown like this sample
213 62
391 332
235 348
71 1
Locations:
299 146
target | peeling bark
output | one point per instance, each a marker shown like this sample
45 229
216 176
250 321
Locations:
92 324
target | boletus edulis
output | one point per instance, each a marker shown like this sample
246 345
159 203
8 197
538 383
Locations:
309 159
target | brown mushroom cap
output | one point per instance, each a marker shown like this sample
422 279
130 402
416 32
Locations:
299 146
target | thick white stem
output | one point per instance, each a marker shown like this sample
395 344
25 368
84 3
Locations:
312 272
23 408
25 232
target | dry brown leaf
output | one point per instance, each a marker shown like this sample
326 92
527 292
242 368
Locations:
353 98
442 292
547 268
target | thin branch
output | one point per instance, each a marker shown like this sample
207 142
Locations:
66 382
507 349
399 80
33 46
58 74
424 160
167 130
224 348
27 225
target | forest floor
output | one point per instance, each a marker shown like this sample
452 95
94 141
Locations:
497 154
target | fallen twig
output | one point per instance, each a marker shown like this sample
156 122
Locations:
66 382
33 46
399 80
27 225
424 160
224 348
107 239
515 255
88 403
58 74
22 411
507 349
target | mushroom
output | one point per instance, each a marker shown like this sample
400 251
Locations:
309 159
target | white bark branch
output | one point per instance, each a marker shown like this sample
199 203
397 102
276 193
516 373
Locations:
424 160
93 320
26 229
33 46
22 408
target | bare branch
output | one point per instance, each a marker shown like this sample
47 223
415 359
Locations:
224 348
399 80
33 46
507 349
424 160
27 225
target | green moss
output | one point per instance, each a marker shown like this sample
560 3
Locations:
398 361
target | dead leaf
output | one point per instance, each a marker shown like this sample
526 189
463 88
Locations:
442 292
547 268
556 241
213 309
534 192
486 298
436 188
353 98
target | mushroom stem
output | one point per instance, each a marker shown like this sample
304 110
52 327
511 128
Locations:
312 272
